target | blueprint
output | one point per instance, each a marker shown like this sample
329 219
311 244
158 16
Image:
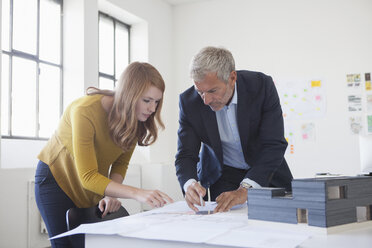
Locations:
176 222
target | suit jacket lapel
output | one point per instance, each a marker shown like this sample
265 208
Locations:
210 123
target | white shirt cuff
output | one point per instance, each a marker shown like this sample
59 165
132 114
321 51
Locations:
246 180
251 182
187 184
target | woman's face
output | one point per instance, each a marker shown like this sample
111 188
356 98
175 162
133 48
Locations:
148 103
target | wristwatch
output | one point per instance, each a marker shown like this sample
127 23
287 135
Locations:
245 185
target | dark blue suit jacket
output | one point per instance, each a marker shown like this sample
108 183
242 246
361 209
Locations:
260 124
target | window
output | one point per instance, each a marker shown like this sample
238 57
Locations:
302 215
336 192
363 213
113 50
31 95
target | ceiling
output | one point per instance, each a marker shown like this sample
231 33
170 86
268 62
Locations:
176 2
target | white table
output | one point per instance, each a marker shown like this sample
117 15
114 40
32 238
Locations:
359 236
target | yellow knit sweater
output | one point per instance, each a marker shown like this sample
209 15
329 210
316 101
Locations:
81 151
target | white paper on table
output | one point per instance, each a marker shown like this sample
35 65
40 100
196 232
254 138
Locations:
175 207
105 227
176 222
182 207
128 223
229 228
208 206
187 226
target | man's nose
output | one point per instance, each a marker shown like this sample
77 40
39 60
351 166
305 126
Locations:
207 99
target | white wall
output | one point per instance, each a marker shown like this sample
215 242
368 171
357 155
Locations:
151 21
158 16
298 39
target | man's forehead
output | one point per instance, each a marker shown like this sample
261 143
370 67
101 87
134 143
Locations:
204 86
209 82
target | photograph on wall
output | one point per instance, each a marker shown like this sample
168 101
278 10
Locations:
367 79
369 103
369 124
355 103
355 124
302 99
353 80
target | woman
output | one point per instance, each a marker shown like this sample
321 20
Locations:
85 161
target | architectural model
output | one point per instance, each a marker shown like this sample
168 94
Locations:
322 202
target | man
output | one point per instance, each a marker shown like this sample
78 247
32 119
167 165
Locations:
236 119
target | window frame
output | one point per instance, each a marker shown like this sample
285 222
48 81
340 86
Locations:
35 58
114 77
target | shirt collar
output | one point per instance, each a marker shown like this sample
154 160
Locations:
234 99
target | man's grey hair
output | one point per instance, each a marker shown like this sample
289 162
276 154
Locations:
212 60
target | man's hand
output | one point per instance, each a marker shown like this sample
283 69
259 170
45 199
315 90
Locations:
193 194
228 199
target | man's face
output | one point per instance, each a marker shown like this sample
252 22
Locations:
214 92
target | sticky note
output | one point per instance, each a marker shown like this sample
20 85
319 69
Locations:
316 84
368 85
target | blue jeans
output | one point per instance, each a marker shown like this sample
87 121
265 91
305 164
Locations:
53 204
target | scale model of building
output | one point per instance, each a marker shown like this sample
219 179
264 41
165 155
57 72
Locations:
322 202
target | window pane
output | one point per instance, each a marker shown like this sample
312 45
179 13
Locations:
121 48
106 84
5 95
5 25
23 97
50 31
24 25
106 45
49 99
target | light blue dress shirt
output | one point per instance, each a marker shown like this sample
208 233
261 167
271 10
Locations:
228 128
229 134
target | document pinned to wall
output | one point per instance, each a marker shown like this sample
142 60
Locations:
356 124
308 131
369 124
302 99
355 103
369 103
359 101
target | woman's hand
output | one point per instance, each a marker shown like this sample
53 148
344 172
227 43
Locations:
154 198
108 205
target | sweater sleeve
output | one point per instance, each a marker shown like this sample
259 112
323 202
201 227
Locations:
83 133
120 166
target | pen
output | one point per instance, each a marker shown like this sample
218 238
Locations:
209 196
201 200
209 200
